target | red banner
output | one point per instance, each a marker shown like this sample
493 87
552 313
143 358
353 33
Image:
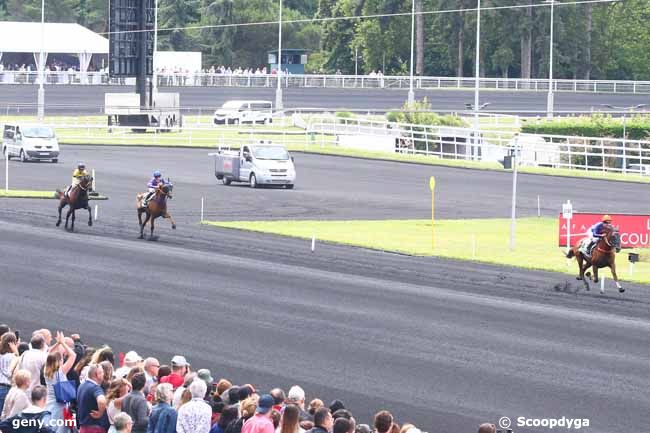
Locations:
634 229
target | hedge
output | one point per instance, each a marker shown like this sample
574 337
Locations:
598 125
420 114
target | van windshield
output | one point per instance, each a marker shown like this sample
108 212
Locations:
37 132
278 153
231 104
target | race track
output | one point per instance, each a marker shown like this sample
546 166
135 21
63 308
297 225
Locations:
441 343
20 99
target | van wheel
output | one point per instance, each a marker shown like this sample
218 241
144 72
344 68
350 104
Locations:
23 157
290 186
253 181
55 160
236 121
226 181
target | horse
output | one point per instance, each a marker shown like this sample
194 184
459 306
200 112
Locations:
77 198
603 255
156 207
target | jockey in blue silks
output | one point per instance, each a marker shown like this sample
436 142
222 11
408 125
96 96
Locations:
153 184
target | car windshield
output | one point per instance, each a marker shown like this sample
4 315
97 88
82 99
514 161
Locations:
271 152
231 104
38 132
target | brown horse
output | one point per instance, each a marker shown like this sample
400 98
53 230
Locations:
603 255
77 198
156 207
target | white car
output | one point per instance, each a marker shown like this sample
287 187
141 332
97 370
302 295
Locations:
236 112
30 142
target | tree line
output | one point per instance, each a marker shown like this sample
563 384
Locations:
591 40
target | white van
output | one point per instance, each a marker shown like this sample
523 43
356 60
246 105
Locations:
237 112
30 142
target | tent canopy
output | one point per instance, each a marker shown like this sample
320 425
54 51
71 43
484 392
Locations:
19 37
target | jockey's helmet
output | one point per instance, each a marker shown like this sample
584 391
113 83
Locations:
81 166
606 219
157 173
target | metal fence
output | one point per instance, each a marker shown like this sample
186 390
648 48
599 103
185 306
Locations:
206 79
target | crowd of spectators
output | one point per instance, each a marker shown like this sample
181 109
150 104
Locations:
143 396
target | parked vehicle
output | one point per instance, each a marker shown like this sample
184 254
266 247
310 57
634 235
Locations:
123 109
30 142
258 164
236 112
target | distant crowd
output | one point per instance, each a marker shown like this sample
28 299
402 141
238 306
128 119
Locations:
58 384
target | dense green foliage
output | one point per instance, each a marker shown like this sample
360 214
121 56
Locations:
636 128
603 41
420 114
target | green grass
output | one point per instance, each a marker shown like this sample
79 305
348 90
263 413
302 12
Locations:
481 240
18 193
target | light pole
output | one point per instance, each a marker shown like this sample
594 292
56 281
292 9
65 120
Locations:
278 92
513 210
624 110
154 77
41 63
411 95
478 63
549 99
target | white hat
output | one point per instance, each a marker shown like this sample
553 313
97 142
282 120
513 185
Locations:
132 357
296 394
179 361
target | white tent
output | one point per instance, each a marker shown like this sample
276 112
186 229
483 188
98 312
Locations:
62 38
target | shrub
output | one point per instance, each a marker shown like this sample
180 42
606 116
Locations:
597 125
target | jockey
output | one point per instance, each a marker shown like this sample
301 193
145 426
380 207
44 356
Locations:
152 186
79 172
597 231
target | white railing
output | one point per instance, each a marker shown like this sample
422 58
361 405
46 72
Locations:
333 81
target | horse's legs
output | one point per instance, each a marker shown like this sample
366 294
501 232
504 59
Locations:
61 206
152 226
583 265
144 224
67 216
90 216
167 215
74 213
615 276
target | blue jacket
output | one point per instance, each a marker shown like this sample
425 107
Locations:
162 419
597 229
7 426
153 183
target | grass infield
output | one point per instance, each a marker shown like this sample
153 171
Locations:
480 240
18 193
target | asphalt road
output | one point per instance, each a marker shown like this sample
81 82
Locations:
90 99
444 344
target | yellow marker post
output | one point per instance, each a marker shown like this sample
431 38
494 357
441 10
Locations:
432 186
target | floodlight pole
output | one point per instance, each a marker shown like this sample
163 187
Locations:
41 69
478 65
278 91
550 96
411 94
154 75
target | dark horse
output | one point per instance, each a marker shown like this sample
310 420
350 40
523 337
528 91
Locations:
77 198
603 255
156 207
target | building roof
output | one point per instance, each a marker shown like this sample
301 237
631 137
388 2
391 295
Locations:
19 37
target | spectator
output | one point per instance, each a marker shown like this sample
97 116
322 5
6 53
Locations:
4 329
487 428
228 415
83 365
108 375
8 354
276 416
22 348
261 421
342 413
103 354
118 389
91 403
383 422
343 425
163 417
56 370
278 398
47 335
314 405
297 396
131 359
217 408
136 405
290 421
322 421
34 359
178 394
123 423
222 386
406 427
205 375
164 370
394 428
17 398
151 368
180 367
133 372
31 417
194 417
336 405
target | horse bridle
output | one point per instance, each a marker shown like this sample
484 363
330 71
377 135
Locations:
606 239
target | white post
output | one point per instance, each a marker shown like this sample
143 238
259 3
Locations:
202 200
539 213
411 94
602 284
313 242
513 211
624 151
473 245
549 99
96 211
278 92
478 64
6 169
41 61
568 235
94 188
